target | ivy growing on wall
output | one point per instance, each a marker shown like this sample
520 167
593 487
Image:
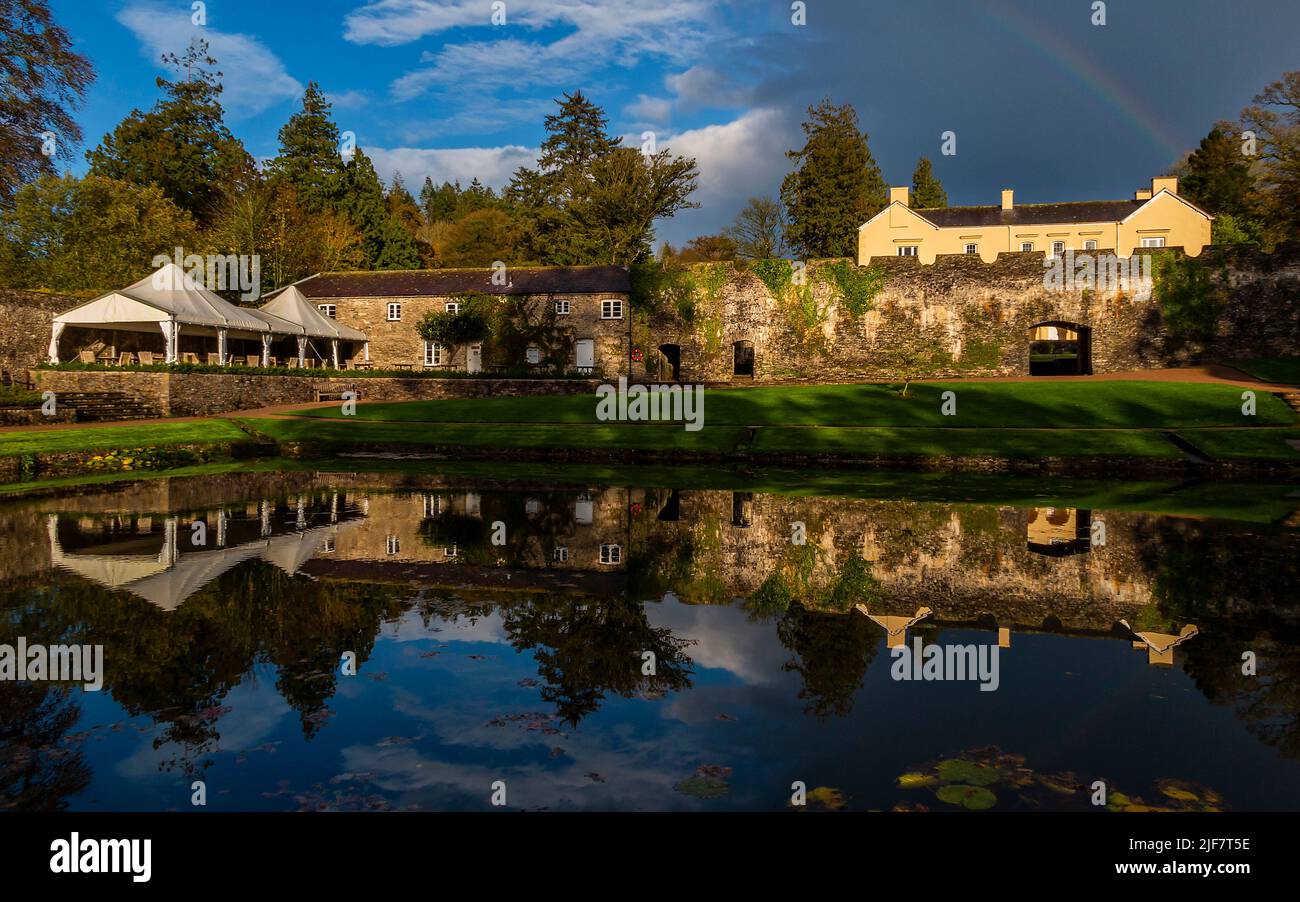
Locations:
506 327
776 274
855 286
1190 303
707 281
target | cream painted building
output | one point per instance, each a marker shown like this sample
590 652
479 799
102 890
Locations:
1158 217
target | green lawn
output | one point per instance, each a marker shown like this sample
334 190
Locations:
649 437
1271 369
1260 444
103 438
1009 443
1049 405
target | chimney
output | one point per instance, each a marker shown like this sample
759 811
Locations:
1164 183
1142 195
1008 199
900 196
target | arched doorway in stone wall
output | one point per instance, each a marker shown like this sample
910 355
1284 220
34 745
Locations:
742 356
670 365
1059 348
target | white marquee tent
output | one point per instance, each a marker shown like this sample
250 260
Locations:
171 301
290 304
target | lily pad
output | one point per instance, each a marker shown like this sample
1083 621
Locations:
972 798
916 780
827 798
955 770
703 787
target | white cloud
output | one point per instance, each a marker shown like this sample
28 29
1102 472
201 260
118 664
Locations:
348 100
737 160
612 33
705 87
649 110
493 166
254 78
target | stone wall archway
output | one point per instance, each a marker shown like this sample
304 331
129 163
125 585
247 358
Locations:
1060 348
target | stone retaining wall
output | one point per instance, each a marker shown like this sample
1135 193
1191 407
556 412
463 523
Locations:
204 394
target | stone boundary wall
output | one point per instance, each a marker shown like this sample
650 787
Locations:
25 321
32 416
979 313
204 394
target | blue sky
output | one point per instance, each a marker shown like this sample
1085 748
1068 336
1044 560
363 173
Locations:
1040 99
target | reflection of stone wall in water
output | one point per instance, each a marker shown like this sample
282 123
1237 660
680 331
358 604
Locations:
963 563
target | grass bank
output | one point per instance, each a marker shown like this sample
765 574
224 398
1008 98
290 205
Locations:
1025 405
1073 426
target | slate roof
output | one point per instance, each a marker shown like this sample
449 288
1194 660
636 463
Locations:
452 282
1031 214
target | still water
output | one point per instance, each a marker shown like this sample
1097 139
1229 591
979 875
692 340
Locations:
613 646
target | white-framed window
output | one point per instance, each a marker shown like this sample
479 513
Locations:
1026 246
432 505
1154 242
611 554
908 250
452 307
327 546
562 308
972 248
533 354
393 545
1090 244
611 309
1058 248
328 309
394 313
434 354
451 552
561 554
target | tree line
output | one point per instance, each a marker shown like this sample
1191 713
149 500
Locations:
175 176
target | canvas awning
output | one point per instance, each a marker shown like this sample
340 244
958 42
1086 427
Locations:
166 295
290 304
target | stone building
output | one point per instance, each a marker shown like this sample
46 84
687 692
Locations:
578 317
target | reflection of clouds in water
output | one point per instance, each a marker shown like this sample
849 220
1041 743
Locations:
257 711
640 775
410 628
724 639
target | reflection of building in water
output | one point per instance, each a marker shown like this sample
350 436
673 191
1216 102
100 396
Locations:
542 530
1059 531
166 559
1160 646
895 627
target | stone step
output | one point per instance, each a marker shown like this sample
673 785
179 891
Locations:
107 405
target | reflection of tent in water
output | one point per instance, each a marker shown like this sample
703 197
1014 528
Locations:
1160 646
895 627
169 577
1059 531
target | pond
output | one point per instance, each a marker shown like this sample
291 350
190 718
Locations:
393 637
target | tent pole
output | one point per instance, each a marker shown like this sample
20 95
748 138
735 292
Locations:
334 352
56 331
266 349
